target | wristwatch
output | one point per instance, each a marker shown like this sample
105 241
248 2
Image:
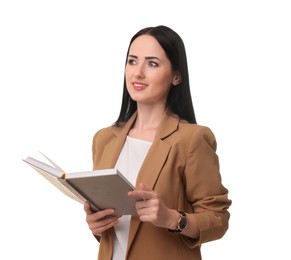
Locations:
182 222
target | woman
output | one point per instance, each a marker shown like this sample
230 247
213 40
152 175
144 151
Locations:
157 144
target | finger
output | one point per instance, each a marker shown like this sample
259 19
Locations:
137 193
107 213
142 186
143 204
100 227
100 216
87 208
144 195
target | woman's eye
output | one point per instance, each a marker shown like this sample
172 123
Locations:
153 64
131 62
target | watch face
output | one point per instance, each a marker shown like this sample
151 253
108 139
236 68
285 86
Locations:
183 223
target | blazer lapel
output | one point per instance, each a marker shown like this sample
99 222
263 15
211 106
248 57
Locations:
153 163
113 149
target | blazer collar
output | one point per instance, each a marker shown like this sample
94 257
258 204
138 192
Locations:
168 125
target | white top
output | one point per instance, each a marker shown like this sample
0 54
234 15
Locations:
129 162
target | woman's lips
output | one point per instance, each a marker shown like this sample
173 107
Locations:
138 86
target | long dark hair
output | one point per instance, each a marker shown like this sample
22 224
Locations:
179 99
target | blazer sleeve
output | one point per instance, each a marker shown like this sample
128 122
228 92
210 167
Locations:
204 189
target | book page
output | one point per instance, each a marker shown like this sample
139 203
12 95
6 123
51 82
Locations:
55 181
52 162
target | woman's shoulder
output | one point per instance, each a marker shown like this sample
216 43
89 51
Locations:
104 133
105 130
195 133
194 128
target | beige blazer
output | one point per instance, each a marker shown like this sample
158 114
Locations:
182 166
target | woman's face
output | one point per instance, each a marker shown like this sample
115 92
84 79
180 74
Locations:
148 72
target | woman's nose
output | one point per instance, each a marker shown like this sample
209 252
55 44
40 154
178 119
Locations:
139 71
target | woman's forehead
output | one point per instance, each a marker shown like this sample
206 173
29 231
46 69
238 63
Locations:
146 45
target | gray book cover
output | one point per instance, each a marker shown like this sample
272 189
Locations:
103 189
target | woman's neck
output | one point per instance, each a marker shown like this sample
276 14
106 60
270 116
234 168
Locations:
146 124
148 117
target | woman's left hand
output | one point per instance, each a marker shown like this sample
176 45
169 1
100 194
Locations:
152 209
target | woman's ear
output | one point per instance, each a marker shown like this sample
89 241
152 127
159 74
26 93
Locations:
177 79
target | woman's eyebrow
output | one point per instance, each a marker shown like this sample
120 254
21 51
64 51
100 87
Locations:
151 58
147 57
132 56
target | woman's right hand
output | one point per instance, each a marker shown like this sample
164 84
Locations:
100 221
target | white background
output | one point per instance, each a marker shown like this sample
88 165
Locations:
61 76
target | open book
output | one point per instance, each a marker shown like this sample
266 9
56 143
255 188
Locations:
103 189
